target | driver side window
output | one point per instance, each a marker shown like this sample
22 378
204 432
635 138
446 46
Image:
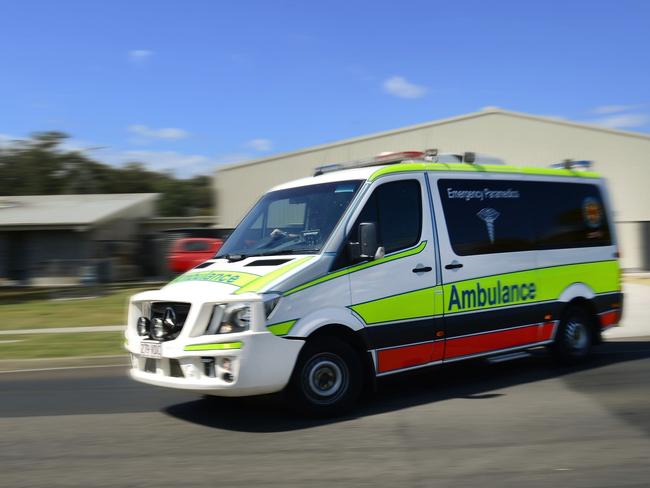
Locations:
396 210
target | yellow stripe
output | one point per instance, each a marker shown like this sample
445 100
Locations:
352 269
410 305
281 328
549 283
601 277
234 278
479 168
261 282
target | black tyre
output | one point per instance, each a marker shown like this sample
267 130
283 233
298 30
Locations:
574 338
327 379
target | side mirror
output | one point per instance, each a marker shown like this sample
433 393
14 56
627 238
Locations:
367 247
368 240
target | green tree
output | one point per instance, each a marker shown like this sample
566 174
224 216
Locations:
41 166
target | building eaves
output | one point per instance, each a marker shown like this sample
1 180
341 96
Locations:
66 211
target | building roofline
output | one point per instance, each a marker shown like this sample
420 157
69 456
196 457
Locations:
146 198
448 120
80 224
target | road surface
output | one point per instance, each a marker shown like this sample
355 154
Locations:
523 423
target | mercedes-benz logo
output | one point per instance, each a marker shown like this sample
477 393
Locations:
169 319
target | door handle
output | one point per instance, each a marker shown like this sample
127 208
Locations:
454 265
424 269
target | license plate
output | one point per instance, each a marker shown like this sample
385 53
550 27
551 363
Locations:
151 349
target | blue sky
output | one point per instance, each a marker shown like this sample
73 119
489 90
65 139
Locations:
189 85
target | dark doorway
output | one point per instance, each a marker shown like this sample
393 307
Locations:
17 257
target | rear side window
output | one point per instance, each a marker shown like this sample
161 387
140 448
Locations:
485 216
396 208
570 215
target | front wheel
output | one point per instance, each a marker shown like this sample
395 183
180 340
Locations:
327 379
574 337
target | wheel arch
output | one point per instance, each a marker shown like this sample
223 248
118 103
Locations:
576 291
581 295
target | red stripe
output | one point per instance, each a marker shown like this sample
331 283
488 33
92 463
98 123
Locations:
504 339
405 357
438 352
408 356
545 331
610 318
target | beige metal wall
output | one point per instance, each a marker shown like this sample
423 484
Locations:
623 158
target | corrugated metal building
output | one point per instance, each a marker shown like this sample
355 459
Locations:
53 236
519 139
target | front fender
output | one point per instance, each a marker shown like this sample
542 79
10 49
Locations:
326 316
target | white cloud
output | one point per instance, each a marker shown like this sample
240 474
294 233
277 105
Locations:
623 121
401 87
260 145
180 164
146 132
139 55
612 109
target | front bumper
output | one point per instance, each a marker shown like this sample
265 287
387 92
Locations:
263 364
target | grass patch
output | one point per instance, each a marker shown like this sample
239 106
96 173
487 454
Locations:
36 346
109 309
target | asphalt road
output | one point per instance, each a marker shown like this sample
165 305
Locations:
523 423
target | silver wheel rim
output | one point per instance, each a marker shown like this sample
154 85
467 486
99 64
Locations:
325 378
576 335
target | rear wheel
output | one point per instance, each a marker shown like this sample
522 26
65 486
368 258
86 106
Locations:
574 338
327 379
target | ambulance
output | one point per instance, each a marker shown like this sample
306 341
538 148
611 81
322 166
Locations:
364 270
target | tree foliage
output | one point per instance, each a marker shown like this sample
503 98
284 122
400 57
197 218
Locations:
41 166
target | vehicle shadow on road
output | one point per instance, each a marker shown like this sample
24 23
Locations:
475 380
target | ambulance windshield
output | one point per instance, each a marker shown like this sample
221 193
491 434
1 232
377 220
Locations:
292 221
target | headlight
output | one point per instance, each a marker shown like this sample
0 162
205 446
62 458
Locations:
228 319
158 328
143 326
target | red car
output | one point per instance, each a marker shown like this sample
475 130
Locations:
192 251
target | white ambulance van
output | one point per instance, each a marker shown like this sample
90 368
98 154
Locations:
403 262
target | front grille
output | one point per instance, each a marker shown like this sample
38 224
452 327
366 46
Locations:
173 316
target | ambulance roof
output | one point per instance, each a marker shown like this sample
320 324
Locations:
371 173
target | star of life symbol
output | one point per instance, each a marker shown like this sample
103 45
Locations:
489 215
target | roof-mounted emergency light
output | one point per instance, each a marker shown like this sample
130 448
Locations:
328 168
381 158
430 155
583 165
468 157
